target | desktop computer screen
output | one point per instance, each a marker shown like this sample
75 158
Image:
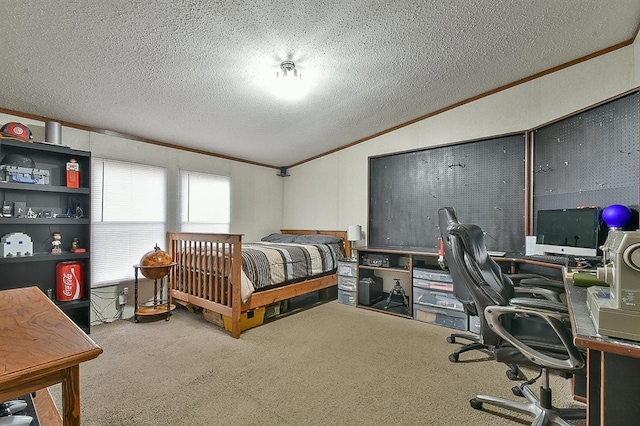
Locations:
574 232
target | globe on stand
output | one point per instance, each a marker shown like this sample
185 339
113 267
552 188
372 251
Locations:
154 264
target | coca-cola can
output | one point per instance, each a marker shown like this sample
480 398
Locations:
70 281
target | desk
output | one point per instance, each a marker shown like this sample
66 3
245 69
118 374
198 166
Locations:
40 347
613 365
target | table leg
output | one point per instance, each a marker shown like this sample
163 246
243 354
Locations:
71 396
166 281
135 295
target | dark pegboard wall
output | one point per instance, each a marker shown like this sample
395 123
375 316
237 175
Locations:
483 181
589 159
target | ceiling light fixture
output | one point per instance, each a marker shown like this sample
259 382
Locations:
287 67
289 81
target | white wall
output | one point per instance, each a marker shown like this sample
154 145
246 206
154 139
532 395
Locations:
331 192
256 192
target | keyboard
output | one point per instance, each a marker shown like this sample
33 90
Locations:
496 253
552 258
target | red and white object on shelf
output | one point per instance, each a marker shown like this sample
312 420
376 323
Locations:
70 281
73 174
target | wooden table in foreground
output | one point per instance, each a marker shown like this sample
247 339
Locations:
40 347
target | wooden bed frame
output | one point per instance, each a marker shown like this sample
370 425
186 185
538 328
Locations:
218 289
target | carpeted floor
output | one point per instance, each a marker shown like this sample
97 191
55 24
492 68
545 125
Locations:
329 365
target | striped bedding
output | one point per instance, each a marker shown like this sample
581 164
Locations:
270 264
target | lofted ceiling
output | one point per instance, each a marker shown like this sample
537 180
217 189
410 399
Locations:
196 73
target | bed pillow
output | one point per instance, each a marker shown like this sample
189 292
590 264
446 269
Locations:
279 238
317 239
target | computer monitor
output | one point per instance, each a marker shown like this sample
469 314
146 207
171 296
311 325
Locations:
574 232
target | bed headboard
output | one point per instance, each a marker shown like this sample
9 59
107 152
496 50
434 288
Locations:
341 234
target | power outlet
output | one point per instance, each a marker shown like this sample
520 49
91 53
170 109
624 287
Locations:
125 291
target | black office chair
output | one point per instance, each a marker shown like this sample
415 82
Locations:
447 217
529 285
523 331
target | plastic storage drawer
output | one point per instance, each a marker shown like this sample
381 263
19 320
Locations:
347 283
347 297
432 285
432 275
474 324
437 299
438 316
347 269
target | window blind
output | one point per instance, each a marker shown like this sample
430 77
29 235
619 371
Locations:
205 202
128 204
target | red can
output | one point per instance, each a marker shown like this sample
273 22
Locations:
70 281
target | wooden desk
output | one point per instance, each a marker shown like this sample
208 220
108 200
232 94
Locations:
613 366
40 347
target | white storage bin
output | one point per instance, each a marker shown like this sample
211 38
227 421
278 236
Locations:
347 283
443 317
474 324
433 285
347 297
437 299
347 268
432 275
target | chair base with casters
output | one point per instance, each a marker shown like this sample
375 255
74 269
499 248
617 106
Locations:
544 351
475 344
513 373
540 408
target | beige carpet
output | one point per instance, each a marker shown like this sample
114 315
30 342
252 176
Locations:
331 364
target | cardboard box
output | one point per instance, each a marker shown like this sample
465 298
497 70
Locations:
272 310
213 317
249 319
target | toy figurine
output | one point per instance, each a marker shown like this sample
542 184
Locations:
79 213
56 243
75 246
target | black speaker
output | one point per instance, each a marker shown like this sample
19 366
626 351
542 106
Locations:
370 290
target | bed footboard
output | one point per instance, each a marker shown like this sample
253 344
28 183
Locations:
208 272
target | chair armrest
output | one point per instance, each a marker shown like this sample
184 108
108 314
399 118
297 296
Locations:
553 317
527 291
548 306
518 277
536 281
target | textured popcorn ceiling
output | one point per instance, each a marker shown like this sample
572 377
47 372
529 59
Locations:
195 72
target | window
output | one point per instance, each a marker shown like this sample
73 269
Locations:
205 202
128 205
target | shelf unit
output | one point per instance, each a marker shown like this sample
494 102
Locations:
428 289
391 264
46 201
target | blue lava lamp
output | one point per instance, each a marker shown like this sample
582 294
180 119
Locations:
617 216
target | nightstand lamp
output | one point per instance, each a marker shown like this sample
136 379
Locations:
354 233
